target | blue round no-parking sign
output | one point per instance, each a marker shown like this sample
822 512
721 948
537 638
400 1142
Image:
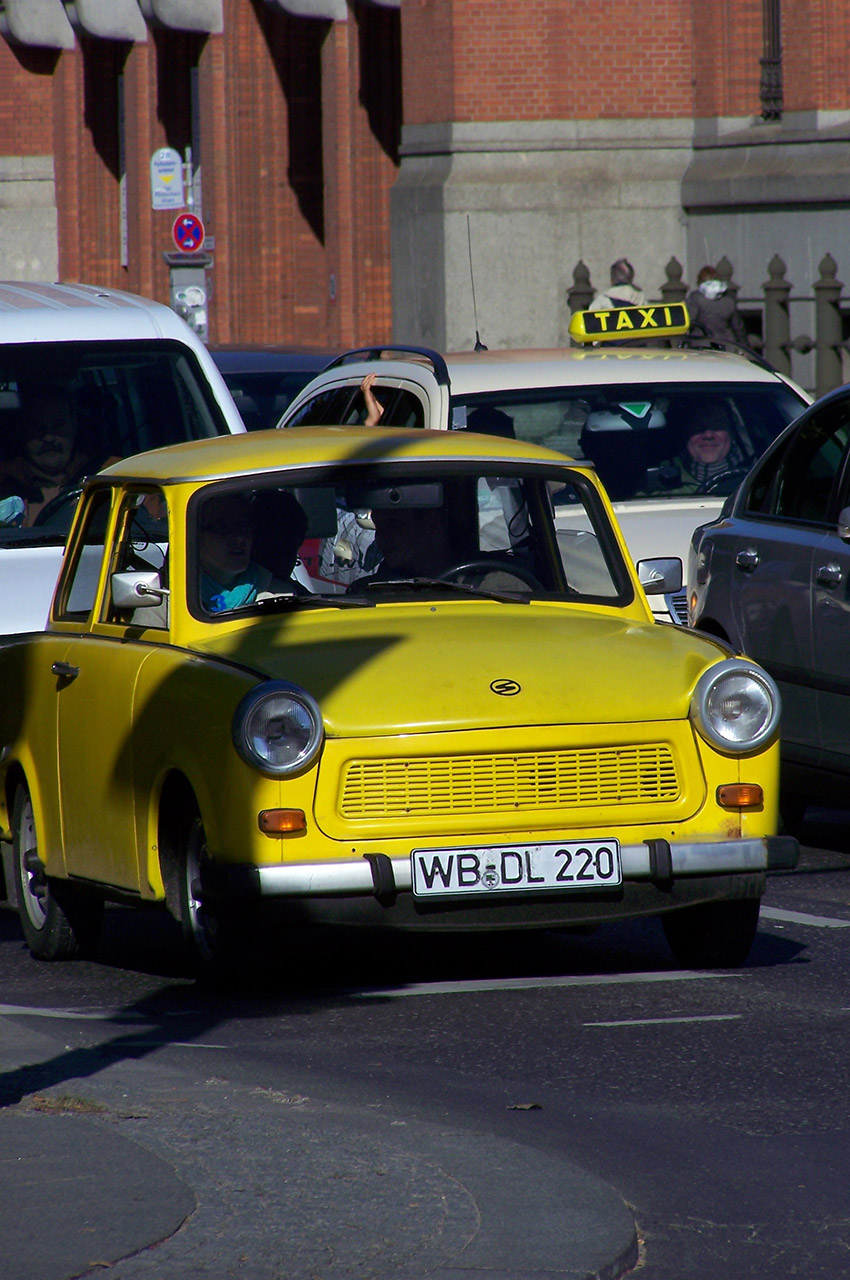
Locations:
188 232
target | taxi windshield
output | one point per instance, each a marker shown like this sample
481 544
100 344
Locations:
365 535
646 440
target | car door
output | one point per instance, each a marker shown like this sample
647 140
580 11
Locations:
830 586
781 569
96 697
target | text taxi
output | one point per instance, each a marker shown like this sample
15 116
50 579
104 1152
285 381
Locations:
665 320
484 731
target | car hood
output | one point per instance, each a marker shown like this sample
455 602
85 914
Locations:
431 667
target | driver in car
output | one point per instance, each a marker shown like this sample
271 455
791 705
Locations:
48 461
709 452
414 542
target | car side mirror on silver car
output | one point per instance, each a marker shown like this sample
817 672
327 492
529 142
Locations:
660 577
844 524
134 590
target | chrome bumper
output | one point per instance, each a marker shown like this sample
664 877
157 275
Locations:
656 861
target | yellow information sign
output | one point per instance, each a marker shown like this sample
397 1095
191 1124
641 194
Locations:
654 320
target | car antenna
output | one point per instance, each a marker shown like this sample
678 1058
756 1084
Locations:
479 345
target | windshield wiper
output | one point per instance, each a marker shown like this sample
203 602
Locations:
285 599
440 584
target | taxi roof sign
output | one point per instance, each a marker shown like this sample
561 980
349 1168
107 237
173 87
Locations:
654 320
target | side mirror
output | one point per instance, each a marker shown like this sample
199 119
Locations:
661 577
844 524
135 590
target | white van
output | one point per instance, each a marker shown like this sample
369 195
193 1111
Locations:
128 374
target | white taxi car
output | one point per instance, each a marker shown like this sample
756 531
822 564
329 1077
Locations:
629 409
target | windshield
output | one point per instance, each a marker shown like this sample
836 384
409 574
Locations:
646 440
69 408
363 535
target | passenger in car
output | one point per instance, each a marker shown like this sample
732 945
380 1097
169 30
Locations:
374 408
230 576
48 461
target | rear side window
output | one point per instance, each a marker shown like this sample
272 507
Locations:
67 409
345 406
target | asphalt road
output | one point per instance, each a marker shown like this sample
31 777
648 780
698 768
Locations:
374 1107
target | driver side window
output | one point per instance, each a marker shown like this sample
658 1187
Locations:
78 585
803 484
142 547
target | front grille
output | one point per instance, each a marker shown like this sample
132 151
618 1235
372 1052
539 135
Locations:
523 782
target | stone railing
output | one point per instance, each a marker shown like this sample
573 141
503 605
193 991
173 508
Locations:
768 318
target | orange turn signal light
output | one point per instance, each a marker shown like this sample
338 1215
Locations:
279 822
740 795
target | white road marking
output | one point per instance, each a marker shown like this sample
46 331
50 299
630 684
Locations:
800 917
658 1022
104 1015
531 984
75 1015
170 1044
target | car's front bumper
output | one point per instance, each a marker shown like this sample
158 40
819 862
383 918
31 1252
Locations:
657 876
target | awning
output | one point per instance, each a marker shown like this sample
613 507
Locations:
184 15
36 22
108 19
330 10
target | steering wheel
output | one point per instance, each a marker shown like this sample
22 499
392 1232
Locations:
59 511
724 483
492 566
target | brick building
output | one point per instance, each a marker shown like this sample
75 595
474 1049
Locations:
352 159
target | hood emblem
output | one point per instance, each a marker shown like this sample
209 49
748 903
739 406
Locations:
505 688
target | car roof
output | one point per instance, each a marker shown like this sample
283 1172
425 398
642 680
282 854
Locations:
258 451
37 311
473 371
243 358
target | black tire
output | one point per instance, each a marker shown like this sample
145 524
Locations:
58 920
713 935
216 933
792 810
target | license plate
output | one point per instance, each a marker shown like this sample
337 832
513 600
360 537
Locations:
582 864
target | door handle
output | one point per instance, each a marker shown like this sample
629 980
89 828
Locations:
828 575
747 560
65 671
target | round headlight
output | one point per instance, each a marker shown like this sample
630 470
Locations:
277 728
736 706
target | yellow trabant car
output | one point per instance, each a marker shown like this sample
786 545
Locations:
487 730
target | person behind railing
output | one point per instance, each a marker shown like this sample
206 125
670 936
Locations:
622 292
714 311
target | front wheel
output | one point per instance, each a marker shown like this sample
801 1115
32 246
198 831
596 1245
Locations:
216 932
713 935
58 920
